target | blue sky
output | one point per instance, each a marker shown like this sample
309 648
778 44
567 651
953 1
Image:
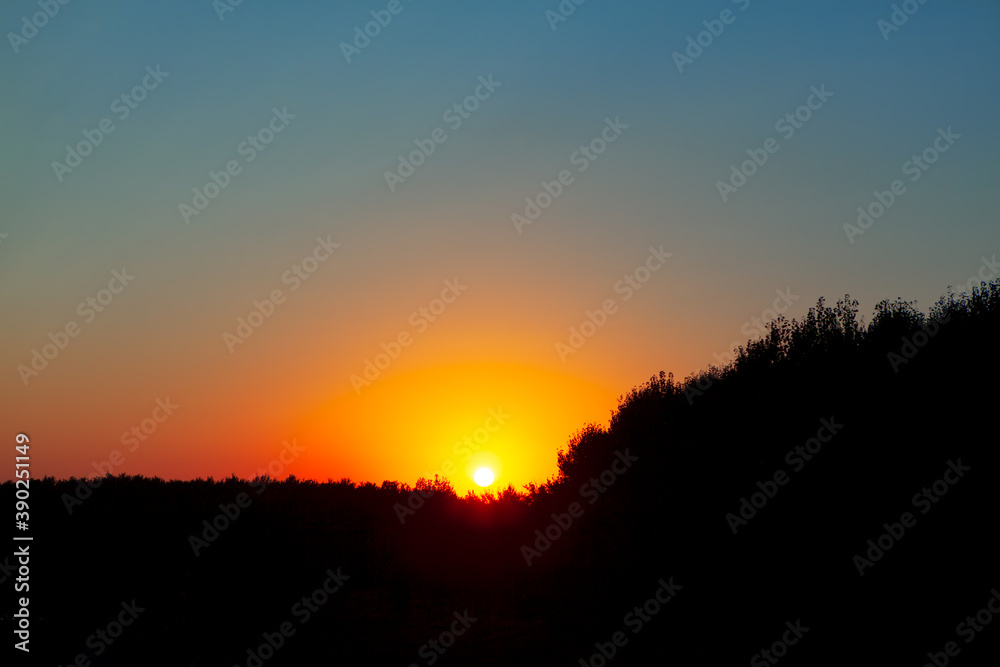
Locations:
325 174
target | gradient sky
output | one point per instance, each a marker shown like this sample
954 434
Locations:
494 346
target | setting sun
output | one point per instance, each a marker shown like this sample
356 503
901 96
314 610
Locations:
452 420
484 477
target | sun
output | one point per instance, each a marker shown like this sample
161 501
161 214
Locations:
484 477
484 467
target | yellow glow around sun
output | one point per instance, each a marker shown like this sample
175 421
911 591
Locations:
451 421
483 477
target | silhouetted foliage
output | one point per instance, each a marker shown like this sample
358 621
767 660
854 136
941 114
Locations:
697 447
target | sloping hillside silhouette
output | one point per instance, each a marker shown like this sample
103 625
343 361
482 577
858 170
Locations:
744 496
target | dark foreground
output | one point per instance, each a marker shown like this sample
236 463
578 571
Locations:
868 534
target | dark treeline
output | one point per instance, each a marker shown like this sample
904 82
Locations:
746 495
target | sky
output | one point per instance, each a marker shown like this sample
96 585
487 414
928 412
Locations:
457 239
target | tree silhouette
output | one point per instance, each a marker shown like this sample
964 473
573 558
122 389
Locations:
665 515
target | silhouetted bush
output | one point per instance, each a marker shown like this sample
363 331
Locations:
694 449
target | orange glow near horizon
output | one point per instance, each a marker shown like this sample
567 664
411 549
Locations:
452 421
